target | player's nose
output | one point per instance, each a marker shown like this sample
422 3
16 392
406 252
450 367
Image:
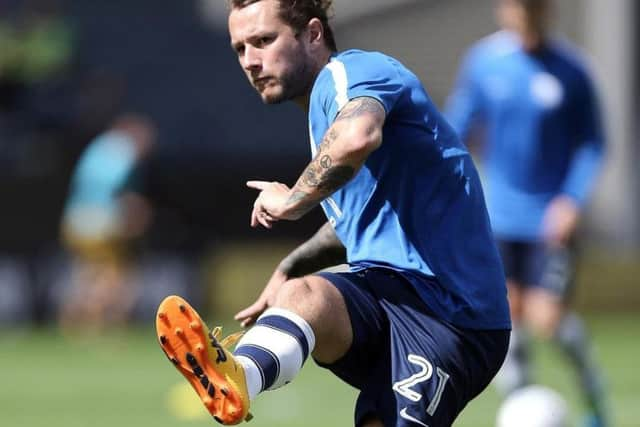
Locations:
252 59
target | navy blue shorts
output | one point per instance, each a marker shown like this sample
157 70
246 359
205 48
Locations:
536 264
411 368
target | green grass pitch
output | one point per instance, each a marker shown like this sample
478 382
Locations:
123 379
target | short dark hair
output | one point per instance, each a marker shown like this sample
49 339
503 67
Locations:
297 13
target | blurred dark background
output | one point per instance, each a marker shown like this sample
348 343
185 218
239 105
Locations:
70 69
151 57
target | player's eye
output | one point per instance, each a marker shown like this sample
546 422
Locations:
239 50
263 41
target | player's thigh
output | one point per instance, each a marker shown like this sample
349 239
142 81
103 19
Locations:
436 373
320 304
543 311
545 300
372 422
369 326
532 264
515 293
434 368
513 254
555 268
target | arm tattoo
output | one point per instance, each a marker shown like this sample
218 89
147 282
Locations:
322 250
326 180
321 173
296 197
304 207
325 162
335 178
360 106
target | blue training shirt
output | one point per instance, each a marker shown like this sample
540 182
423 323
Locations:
416 206
541 126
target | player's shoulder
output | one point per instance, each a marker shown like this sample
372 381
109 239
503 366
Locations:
494 46
356 59
572 55
347 67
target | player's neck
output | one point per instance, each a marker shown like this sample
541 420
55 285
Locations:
303 100
532 40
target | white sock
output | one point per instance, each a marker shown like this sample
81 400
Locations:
274 350
252 375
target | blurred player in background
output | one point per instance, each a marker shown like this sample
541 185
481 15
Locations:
100 222
530 101
420 323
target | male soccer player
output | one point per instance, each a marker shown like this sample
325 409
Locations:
420 323
530 100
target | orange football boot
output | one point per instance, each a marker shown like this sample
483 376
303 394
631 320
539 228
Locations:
203 360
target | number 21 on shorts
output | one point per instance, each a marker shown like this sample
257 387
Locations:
405 387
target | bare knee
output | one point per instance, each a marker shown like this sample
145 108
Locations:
311 297
372 421
322 306
543 312
293 293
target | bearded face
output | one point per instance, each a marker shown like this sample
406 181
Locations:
275 60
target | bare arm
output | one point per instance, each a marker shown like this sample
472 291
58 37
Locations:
355 133
322 250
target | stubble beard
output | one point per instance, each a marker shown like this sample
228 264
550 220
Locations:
294 84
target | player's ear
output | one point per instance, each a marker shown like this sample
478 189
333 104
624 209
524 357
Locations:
315 31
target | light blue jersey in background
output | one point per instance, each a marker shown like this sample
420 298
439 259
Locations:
540 127
92 210
416 206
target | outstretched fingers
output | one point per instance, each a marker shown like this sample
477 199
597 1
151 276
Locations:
259 214
258 185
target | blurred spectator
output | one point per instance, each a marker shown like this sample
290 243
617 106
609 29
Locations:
533 101
66 68
101 223
36 52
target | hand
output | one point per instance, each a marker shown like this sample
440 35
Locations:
560 220
249 315
269 205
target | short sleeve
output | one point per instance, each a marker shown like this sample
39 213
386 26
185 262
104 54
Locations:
358 75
